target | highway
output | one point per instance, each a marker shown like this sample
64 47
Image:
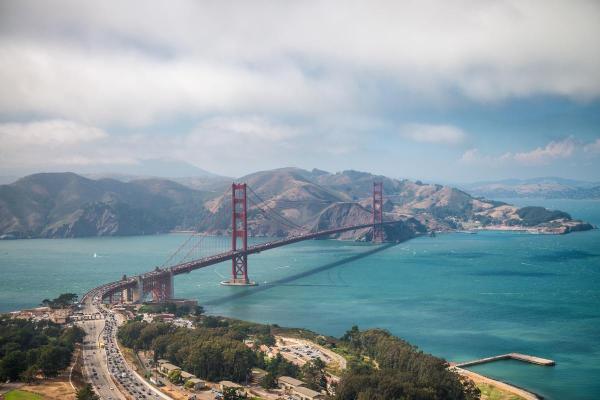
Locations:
95 364
106 368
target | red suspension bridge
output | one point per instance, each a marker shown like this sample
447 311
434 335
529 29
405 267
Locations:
196 251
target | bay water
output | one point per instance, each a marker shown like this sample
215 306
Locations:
458 296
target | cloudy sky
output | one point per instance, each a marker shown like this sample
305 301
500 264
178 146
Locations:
437 90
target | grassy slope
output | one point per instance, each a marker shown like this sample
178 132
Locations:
489 392
22 395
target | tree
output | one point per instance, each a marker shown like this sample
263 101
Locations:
279 366
53 359
27 346
313 374
30 374
12 365
87 393
72 335
266 339
189 384
175 376
352 336
198 311
232 394
62 301
159 345
403 371
268 381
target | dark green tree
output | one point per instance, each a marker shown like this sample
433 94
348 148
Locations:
233 394
12 365
313 374
268 381
53 359
87 393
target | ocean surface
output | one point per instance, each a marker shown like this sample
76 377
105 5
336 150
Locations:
458 296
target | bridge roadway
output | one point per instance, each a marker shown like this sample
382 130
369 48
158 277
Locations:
189 266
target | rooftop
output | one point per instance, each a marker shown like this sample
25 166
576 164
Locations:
187 375
307 392
290 381
230 384
169 366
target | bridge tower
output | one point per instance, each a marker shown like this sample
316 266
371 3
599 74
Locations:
377 212
239 230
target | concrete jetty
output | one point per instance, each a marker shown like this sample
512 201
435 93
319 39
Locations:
510 356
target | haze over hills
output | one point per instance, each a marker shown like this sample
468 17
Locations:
546 187
69 205
141 169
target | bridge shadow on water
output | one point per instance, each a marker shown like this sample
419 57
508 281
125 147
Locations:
288 281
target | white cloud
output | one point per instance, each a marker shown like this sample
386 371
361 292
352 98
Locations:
57 142
251 128
102 62
50 133
133 88
593 147
560 149
543 155
427 133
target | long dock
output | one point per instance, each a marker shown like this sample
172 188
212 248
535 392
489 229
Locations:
510 356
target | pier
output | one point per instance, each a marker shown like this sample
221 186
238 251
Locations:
510 356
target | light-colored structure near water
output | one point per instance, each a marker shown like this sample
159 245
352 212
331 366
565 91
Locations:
295 388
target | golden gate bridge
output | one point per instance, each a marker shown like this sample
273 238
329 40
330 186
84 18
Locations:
159 283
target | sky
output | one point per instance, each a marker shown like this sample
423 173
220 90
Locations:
448 91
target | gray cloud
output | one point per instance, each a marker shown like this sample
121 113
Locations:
274 83
132 63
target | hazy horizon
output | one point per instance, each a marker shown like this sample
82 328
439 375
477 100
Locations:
438 91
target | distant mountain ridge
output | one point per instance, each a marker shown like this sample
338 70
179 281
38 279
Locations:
69 205
545 187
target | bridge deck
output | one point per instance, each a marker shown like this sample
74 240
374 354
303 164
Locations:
189 266
218 258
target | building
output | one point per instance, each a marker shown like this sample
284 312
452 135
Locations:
186 375
163 317
257 375
288 383
229 384
303 393
296 389
167 368
196 384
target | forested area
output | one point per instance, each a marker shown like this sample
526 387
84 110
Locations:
215 350
28 348
380 367
389 368
532 216
213 353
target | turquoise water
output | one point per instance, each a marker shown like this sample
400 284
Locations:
458 296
